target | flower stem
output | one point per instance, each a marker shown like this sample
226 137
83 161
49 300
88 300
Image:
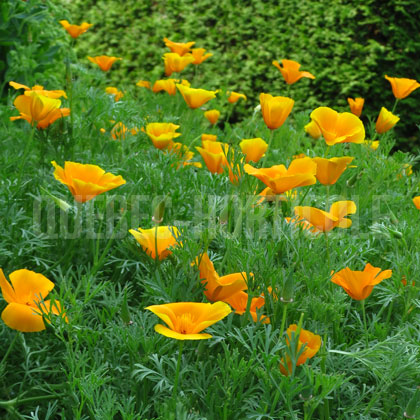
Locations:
178 366
362 302
328 252
25 154
283 320
395 105
270 140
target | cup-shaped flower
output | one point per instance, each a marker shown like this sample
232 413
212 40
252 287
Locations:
104 62
239 302
195 97
214 154
311 341
199 55
275 109
208 137
416 201
86 181
291 72
329 170
175 63
301 172
162 134
253 149
144 84
326 221
356 105
386 120
235 96
54 94
75 30
39 109
219 288
359 284
313 130
343 127
111 90
186 320
25 297
212 115
180 48
157 240
402 87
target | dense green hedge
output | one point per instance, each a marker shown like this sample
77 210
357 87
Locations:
348 44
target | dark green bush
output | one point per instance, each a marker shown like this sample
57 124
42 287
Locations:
349 45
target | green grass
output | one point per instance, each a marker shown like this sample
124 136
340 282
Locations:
108 362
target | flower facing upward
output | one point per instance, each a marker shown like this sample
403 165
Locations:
301 172
199 56
54 94
186 320
329 170
25 297
162 134
275 109
114 91
75 30
401 87
356 105
219 288
208 137
359 284
157 240
195 97
311 341
175 63
326 221
86 181
39 109
291 72
313 130
214 154
386 120
104 62
343 127
239 302
253 149
212 116
235 96
180 48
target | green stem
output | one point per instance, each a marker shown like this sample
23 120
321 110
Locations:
328 252
17 401
12 343
25 154
270 140
304 196
283 320
395 105
326 151
362 302
178 366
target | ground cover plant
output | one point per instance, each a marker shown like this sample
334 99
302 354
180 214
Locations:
160 262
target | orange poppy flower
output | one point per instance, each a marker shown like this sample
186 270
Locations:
54 94
275 109
253 149
235 96
386 120
186 320
208 137
75 30
313 130
199 56
326 221
104 62
144 84
401 87
214 155
356 105
195 97
25 298
114 91
86 181
416 201
212 115
359 284
343 127
180 48
162 134
239 302
175 63
329 170
291 72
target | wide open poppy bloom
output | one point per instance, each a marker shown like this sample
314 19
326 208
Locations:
180 48
104 62
25 297
301 172
312 343
275 109
186 320
212 115
386 120
291 72
195 97
54 94
329 170
359 284
175 63
111 90
235 96
75 30
38 109
219 288
157 240
402 87
86 181
356 105
343 127
253 149
326 221
239 302
162 134
199 56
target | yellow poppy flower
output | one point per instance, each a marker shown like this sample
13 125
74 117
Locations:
86 181
214 155
401 87
329 170
359 284
291 72
195 98
114 91
54 94
199 56
208 137
212 116
416 201
175 63
104 62
162 134
75 30
239 302
313 130
356 105
235 96
253 149
386 120
275 109
180 48
144 84
186 320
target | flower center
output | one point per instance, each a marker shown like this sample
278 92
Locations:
185 323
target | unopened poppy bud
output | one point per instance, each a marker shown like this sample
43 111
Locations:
125 313
159 212
63 205
395 233
287 293
224 214
410 411
352 180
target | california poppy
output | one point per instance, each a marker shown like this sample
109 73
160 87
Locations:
235 96
144 84
275 109
180 48
402 87
356 105
239 302
313 130
386 120
162 134
212 115
253 149
195 98
329 170
54 94
291 72
199 56
175 63
75 30
104 62
114 91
